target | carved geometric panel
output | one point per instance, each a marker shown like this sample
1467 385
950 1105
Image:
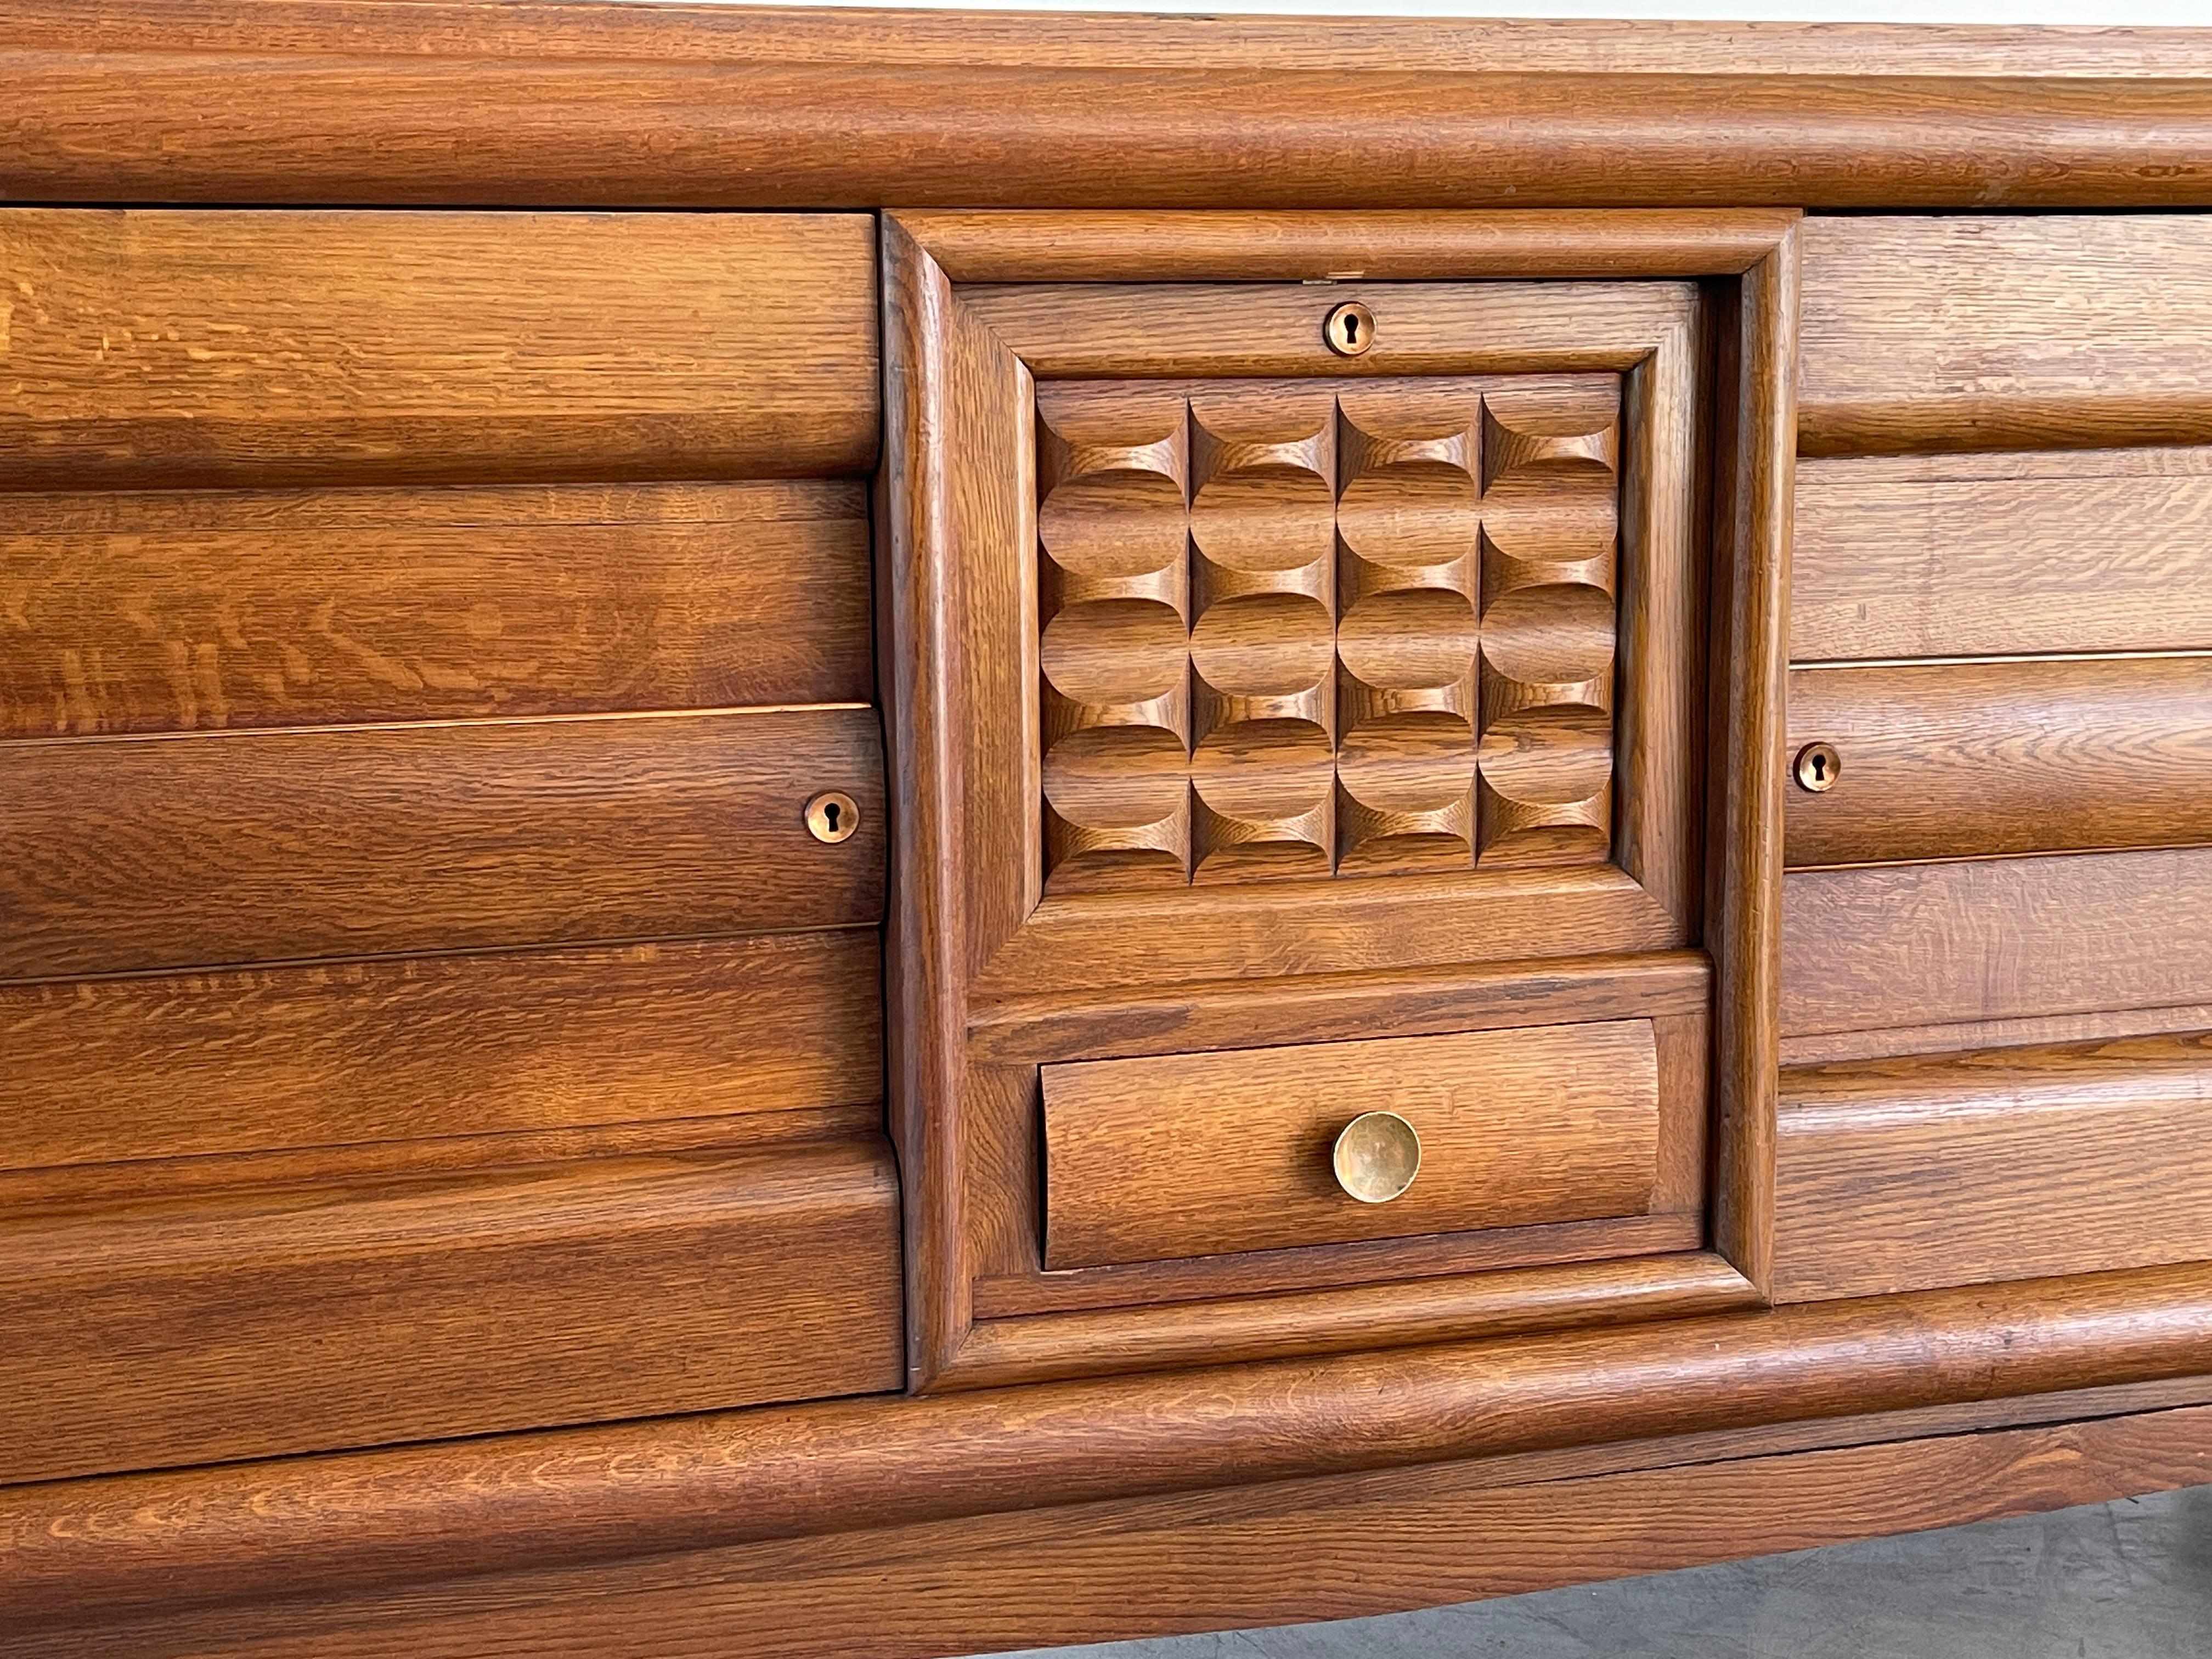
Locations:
1304 628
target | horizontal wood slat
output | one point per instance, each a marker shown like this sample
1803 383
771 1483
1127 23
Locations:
1969 760
963 39
2011 553
397 1517
148 853
1031 123
173 611
2009 1163
250 1324
1263 1555
268 1059
160 346
1976 332
1195 1155
1930 943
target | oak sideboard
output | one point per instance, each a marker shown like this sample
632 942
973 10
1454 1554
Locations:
859 833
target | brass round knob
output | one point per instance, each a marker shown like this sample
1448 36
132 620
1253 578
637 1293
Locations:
1350 328
1819 766
832 815
1376 1157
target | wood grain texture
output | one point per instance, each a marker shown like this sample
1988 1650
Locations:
1755 452
1080 943
268 1059
2005 1163
1988 333
2007 939
287 1320
1132 246
944 384
1019 1289
183 610
1291 631
1204 1155
136 854
1974 760
412 1514
813 34
556 112
1105 331
180 347
1997 554
1622 1289
961 419
1340 1007
1827 1048
1162 1566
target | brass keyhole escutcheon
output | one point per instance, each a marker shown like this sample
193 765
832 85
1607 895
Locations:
832 815
1350 328
1819 766
1376 1157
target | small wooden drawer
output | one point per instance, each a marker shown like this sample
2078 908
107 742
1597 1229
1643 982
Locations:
1192 1155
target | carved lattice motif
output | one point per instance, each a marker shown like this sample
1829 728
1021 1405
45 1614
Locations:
1299 629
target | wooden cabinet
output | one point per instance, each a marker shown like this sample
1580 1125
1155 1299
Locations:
1520 876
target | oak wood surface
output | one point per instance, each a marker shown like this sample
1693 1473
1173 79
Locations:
1340 1007
673 117
1155 1567
177 610
55 1188
1617 1286
2015 1163
960 395
1095 330
1978 759
1984 555
149 852
1203 1155
1754 454
1011 1287
948 391
411 1514
815 34
191 1065
182 347
2004 938
1827 1048
1977 332
251 1323
1127 246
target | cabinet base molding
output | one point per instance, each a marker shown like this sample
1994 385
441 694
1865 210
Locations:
90 1552
1264 1555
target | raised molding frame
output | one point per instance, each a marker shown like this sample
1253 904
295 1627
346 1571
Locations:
956 482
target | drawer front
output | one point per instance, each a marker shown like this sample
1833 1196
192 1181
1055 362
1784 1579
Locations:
1193 1155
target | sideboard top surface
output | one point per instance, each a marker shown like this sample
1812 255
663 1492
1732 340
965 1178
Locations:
457 102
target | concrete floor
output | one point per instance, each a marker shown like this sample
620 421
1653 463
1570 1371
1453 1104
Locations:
2131 1580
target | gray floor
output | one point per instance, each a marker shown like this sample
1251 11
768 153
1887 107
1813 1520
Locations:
2131 1580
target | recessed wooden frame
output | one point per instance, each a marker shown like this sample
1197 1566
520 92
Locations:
990 976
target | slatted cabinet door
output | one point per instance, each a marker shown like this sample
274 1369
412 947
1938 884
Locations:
427 1009
1997 952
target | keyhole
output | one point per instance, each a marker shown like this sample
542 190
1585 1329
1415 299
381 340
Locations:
1350 328
832 817
1819 766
